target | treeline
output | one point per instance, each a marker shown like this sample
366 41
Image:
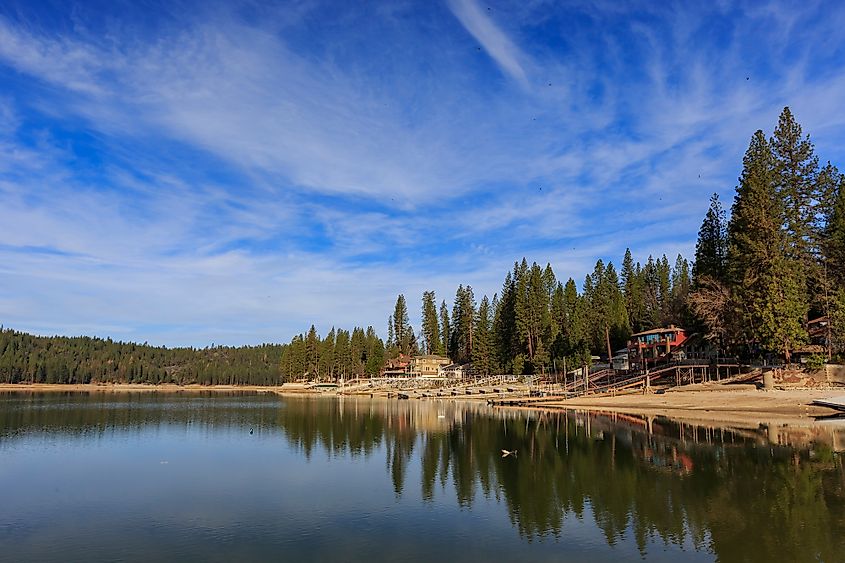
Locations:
340 354
755 283
780 259
539 323
59 359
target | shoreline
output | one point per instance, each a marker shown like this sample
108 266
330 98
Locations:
746 407
131 387
695 404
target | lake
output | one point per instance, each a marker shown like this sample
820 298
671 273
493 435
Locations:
237 476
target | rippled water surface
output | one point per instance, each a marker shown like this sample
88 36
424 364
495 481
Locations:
223 477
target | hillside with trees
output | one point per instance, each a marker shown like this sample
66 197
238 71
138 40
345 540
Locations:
60 359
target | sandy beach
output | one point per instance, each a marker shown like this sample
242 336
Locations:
743 405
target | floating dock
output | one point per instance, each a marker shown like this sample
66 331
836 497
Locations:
837 403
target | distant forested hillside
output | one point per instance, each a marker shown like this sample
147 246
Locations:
59 359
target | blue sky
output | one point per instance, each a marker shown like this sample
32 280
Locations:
193 172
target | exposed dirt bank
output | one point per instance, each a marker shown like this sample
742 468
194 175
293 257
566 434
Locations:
745 406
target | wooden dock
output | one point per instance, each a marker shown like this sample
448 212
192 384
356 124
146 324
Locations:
605 382
836 403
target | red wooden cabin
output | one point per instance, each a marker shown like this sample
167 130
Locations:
654 347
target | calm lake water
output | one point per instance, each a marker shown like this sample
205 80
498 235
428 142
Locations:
144 477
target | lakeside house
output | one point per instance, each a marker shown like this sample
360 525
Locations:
428 366
818 331
397 367
651 347
456 371
620 360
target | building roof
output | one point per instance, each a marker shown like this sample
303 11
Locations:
430 357
809 349
658 331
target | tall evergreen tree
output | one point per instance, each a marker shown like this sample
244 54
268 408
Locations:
834 250
463 323
375 353
681 285
445 330
483 351
532 314
326 362
830 240
766 279
795 177
401 325
712 246
504 323
664 281
430 324
358 351
343 355
312 347
609 317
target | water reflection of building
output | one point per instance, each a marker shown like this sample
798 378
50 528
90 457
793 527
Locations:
426 416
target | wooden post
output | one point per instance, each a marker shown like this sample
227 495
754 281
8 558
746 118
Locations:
586 376
564 373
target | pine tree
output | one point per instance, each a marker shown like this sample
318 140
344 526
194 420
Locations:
430 323
445 330
312 346
766 279
533 319
834 248
609 317
711 249
358 351
557 312
343 355
783 309
649 282
681 285
633 300
326 362
574 327
834 252
483 349
504 322
664 281
375 353
795 176
463 321
401 325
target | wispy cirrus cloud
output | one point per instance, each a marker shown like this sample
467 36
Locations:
494 41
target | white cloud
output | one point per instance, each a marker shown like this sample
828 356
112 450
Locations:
506 54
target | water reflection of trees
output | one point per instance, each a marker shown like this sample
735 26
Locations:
734 493
729 492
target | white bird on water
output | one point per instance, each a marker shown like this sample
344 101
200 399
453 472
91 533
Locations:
506 453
